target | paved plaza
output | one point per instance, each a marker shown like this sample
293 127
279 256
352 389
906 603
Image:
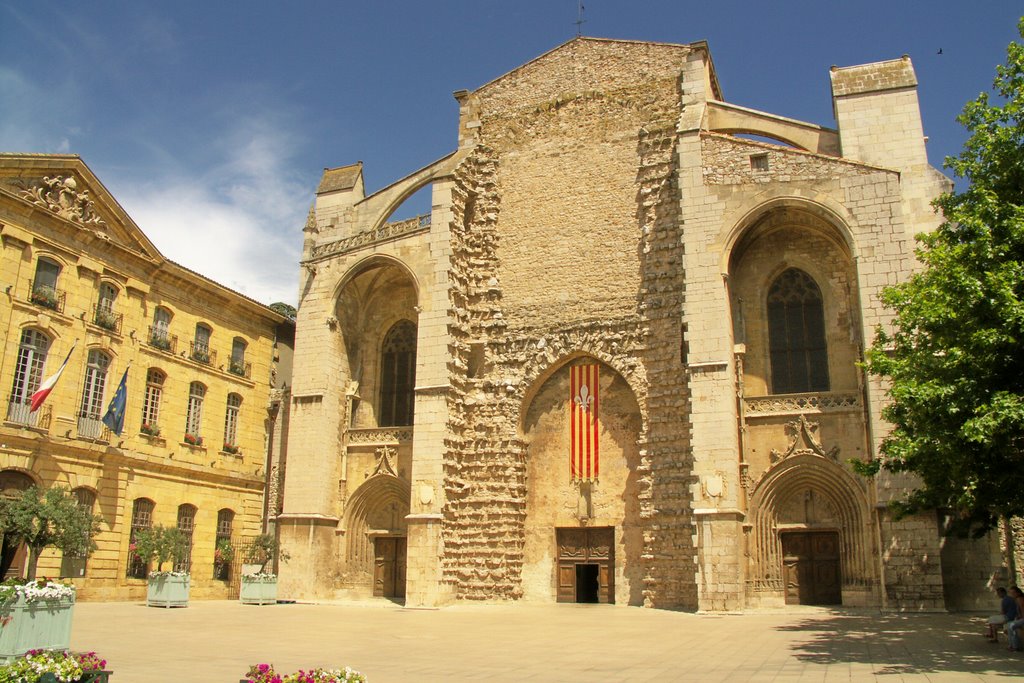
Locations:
215 641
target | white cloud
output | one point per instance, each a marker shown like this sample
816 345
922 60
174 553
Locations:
238 223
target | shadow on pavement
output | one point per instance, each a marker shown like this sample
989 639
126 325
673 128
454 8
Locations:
903 644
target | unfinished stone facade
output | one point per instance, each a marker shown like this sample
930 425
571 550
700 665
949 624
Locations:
606 207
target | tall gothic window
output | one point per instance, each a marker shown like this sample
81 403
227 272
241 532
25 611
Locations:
398 375
796 334
28 375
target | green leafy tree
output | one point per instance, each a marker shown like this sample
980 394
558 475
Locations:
284 309
48 519
160 543
955 356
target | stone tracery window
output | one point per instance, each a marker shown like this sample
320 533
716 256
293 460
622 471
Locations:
398 375
796 334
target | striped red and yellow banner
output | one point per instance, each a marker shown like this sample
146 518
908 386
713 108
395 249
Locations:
583 428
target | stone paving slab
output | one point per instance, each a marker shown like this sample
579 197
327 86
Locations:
216 641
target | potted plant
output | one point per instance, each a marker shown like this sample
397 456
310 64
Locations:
259 582
36 614
45 295
193 440
159 340
230 448
236 367
164 544
150 429
56 665
264 673
106 319
223 555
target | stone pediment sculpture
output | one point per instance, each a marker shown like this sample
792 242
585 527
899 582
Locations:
803 441
385 465
60 195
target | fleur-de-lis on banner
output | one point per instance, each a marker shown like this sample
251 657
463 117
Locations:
584 400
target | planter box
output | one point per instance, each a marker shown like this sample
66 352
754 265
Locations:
43 624
258 592
168 591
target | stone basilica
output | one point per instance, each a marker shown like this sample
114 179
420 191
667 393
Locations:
617 361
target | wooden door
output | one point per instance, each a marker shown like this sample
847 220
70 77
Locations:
389 567
593 546
810 568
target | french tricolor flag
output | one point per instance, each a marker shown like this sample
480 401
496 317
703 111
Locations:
46 387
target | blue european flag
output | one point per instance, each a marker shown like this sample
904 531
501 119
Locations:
114 417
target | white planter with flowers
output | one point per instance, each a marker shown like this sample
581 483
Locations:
35 615
258 589
168 589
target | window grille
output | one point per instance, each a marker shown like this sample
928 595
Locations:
71 565
225 519
186 525
142 518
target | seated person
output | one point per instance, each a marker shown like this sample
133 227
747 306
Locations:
1007 612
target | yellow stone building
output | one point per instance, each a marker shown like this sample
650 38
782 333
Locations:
82 281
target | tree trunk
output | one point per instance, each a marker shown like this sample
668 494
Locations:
33 560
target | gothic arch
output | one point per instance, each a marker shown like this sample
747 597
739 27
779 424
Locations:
370 262
807 490
378 507
537 375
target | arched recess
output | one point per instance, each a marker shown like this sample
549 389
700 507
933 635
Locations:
570 522
376 510
371 299
13 554
780 236
807 491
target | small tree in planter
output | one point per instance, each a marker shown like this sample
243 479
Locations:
259 583
48 519
164 544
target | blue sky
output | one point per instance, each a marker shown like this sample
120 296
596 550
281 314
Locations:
211 122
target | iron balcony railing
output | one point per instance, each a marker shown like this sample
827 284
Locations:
240 367
46 296
202 353
160 339
19 412
107 319
90 427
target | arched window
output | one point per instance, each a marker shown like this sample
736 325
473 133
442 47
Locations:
142 519
194 417
91 409
201 344
238 366
44 285
186 525
231 423
398 375
28 375
221 561
73 566
105 315
796 334
151 402
160 332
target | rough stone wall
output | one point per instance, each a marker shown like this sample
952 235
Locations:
582 258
